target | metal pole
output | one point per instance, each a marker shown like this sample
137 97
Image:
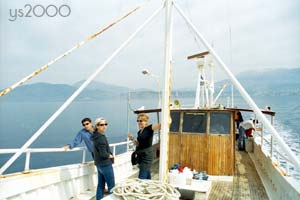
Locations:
243 92
164 140
77 92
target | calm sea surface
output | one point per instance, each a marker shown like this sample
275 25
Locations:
18 121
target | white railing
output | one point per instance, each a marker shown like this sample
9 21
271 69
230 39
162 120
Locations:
270 148
52 150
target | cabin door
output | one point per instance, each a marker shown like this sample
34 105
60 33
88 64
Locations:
220 144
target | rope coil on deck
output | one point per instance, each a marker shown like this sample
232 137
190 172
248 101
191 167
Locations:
145 189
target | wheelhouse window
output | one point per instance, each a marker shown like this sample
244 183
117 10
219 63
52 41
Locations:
194 122
219 123
175 116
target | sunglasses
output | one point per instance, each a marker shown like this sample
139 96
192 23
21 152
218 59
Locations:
102 124
85 124
139 120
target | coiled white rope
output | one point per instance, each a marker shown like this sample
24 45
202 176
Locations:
138 189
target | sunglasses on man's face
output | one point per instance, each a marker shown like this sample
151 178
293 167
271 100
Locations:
139 120
85 124
102 124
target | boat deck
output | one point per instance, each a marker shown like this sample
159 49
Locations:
246 182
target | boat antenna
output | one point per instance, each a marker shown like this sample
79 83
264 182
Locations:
230 46
77 46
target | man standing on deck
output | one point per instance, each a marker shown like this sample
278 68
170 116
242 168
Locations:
245 131
83 135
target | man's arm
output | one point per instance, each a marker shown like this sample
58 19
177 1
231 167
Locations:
76 141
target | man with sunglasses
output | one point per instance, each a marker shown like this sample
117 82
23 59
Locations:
83 135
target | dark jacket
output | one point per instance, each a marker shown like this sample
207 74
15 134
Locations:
101 150
144 149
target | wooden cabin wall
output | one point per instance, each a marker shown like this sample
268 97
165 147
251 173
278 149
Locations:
220 155
174 149
214 153
188 150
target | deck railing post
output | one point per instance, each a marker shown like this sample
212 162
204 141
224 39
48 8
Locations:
83 155
262 137
287 168
114 150
27 161
271 147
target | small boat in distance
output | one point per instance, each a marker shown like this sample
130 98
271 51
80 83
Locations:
202 137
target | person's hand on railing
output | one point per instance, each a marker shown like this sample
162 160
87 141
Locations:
67 147
130 136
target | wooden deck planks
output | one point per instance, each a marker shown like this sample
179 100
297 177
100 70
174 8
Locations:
246 182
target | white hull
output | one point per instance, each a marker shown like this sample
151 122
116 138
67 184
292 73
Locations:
277 185
76 181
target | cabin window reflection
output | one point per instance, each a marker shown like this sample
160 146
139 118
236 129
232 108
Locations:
175 116
219 123
194 122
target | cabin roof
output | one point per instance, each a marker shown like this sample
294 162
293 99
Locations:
267 112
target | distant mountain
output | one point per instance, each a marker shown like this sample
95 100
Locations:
99 86
279 82
60 92
40 92
272 82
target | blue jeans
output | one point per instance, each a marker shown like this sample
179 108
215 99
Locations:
105 174
241 140
144 174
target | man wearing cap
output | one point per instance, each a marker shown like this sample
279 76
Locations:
83 135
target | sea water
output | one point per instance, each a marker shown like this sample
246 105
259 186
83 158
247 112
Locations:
20 120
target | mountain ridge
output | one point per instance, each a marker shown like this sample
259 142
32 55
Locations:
272 83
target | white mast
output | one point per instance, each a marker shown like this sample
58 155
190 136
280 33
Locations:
165 122
212 82
202 92
199 89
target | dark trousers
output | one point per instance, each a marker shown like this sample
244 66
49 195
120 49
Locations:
144 174
105 175
241 140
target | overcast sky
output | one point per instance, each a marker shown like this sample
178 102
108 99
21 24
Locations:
264 35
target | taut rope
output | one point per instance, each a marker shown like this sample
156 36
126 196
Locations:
137 189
